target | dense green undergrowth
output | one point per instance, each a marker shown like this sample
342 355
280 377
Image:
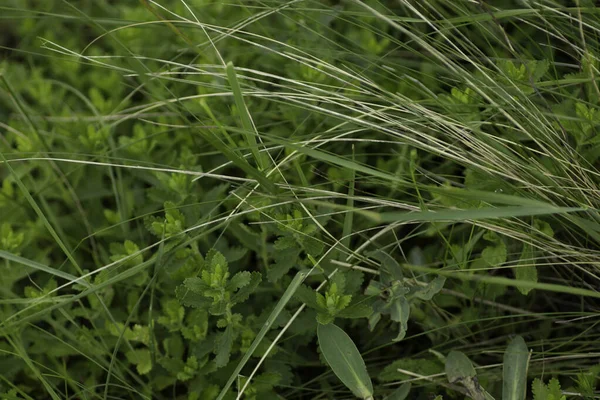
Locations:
299 199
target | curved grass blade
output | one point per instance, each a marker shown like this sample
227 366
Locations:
249 128
345 360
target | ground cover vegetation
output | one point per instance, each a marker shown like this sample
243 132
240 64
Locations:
299 199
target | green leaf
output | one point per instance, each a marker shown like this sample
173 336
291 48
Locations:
223 347
401 393
459 367
242 295
284 261
345 360
356 310
238 281
283 300
141 359
551 391
307 296
190 298
516 359
431 289
324 318
389 264
495 255
399 312
354 280
526 269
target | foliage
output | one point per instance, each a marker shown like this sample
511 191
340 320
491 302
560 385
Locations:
202 200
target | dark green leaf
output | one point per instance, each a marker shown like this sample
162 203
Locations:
223 347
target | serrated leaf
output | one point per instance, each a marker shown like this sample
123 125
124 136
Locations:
551 391
312 246
307 296
539 390
284 261
343 357
223 346
196 285
526 269
239 280
285 243
324 318
554 389
354 280
191 299
141 359
245 292
339 280
514 372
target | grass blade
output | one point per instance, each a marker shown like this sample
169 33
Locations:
472 214
247 124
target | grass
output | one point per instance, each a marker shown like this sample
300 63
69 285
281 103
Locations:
191 188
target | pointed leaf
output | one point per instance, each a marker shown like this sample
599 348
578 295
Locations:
458 367
526 270
345 360
399 312
401 393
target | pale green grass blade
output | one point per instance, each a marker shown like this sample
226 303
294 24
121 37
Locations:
22 352
349 217
345 360
471 214
37 266
514 370
249 128
550 287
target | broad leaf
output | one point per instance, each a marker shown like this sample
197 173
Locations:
458 366
459 369
345 360
514 374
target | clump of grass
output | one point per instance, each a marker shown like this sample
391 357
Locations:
192 190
